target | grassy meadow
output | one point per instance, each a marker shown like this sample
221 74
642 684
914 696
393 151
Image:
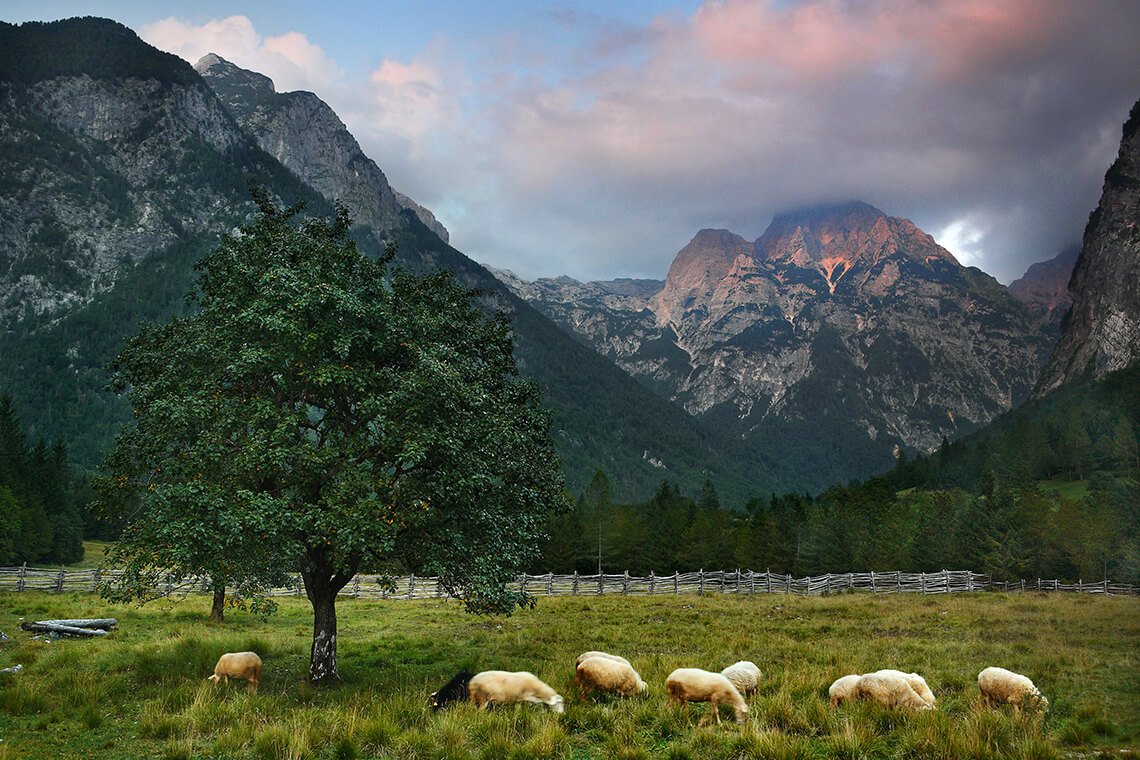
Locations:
141 692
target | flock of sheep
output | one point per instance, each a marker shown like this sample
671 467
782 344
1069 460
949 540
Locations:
604 672
611 673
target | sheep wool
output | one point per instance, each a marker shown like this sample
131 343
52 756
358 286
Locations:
843 689
696 685
587 655
499 687
890 689
745 676
603 674
244 666
1002 686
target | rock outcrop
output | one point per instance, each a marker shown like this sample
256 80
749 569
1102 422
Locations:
1102 331
1044 288
301 131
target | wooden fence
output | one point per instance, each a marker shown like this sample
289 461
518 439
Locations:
719 582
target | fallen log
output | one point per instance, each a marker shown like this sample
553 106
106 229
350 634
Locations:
105 623
63 630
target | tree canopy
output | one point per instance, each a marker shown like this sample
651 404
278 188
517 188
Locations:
321 413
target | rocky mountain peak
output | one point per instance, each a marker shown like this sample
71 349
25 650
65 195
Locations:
1044 287
697 270
302 132
1102 332
230 81
833 239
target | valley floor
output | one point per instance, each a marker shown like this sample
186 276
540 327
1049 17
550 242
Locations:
141 692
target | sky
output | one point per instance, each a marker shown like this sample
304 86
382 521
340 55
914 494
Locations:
594 139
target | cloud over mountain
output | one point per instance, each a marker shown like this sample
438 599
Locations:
595 153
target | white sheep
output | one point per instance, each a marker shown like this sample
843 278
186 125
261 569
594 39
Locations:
499 687
843 689
745 676
999 685
605 674
696 685
891 688
241 665
917 682
587 655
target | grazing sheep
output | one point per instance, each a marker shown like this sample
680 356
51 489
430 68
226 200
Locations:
999 685
241 665
696 685
587 655
843 689
917 682
891 688
604 674
498 687
745 676
454 690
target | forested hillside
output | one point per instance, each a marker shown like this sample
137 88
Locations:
1051 490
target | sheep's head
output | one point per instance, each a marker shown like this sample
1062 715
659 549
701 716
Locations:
215 678
433 700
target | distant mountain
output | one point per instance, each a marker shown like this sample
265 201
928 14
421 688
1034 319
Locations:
120 166
1044 288
839 337
1102 332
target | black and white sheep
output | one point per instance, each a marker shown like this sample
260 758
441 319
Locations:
454 690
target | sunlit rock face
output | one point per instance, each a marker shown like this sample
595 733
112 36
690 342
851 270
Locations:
1044 288
1102 331
838 335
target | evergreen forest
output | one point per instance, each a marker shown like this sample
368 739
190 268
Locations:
1048 491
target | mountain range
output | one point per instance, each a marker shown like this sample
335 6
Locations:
842 336
122 166
839 340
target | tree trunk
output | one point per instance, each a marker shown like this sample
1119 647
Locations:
321 586
218 610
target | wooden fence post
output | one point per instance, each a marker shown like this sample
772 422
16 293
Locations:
601 583
752 582
411 585
574 585
21 574
922 579
873 589
768 580
59 582
701 587
652 582
356 586
95 580
625 584
676 582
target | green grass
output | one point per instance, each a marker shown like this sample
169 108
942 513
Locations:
1067 489
141 692
92 555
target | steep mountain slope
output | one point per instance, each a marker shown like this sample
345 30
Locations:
1102 331
1044 288
304 134
839 335
120 167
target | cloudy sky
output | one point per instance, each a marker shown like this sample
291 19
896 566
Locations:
595 138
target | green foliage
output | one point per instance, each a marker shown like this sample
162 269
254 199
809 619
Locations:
319 413
40 517
35 51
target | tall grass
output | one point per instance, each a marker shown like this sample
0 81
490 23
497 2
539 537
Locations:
141 692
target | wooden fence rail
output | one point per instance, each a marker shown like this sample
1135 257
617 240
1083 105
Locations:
717 582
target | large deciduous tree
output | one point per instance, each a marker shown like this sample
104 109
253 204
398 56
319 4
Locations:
319 412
